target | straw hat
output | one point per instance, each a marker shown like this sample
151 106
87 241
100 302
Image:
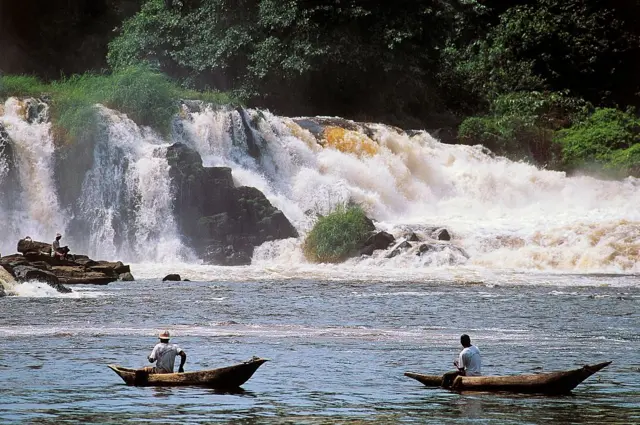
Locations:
164 335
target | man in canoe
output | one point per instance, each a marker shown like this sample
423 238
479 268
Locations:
164 354
468 363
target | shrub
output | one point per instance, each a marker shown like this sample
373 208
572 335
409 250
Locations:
521 125
337 235
606 139
20 85
147 96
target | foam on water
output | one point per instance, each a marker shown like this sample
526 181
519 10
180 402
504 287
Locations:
36 289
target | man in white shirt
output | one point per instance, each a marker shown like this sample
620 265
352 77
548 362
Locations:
164 354
469 360
468 363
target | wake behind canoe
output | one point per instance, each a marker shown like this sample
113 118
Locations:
230 377
551 383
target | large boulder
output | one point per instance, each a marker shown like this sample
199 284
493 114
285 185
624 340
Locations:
379 240
223 223
75 269
28 273
34 247
10 187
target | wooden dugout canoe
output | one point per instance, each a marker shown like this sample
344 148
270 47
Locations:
230 377
550 383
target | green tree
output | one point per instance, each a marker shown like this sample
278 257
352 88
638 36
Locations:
352 58
589 47
607 139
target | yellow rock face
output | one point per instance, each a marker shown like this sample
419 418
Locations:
348 141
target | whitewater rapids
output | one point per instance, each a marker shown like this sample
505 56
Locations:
512 218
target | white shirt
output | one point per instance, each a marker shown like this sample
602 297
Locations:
164 355
471 361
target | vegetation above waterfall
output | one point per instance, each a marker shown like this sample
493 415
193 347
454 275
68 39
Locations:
537 80
147 96
337 235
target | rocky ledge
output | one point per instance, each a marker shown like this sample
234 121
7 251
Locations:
34 262
222 222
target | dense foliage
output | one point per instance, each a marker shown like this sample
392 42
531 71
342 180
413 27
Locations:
337 235
608 138
518 72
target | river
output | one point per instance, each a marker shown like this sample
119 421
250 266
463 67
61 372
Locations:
338 347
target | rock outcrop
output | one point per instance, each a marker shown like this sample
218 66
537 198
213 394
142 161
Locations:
36 263
10 187
223 223
379 240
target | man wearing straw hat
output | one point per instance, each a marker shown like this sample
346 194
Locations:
57 250
164 354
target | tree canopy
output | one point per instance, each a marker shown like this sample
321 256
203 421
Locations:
411 63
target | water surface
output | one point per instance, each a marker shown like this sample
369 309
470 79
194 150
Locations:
338 351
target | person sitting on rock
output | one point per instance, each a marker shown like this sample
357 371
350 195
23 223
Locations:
164 354
57 250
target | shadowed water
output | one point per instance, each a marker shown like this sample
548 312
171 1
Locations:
338 351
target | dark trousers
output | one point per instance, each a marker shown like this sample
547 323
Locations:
449 377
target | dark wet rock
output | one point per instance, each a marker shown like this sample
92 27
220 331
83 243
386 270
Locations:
40 265
72 275
411 237
367 250
317 125
379 240
11 261
253 139
72 270
448 135
223 223
10 187
441 235
439 247
126 277
172 278
402 246
186 280
426 247
2 293
83 260
28 246
228 255
109 267
28 273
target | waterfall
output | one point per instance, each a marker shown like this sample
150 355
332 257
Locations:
503 215
126 198
34 210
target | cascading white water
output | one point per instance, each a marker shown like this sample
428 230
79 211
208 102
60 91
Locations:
504 214
126 196
35 212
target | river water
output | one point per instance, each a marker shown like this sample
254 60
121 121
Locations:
338 348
